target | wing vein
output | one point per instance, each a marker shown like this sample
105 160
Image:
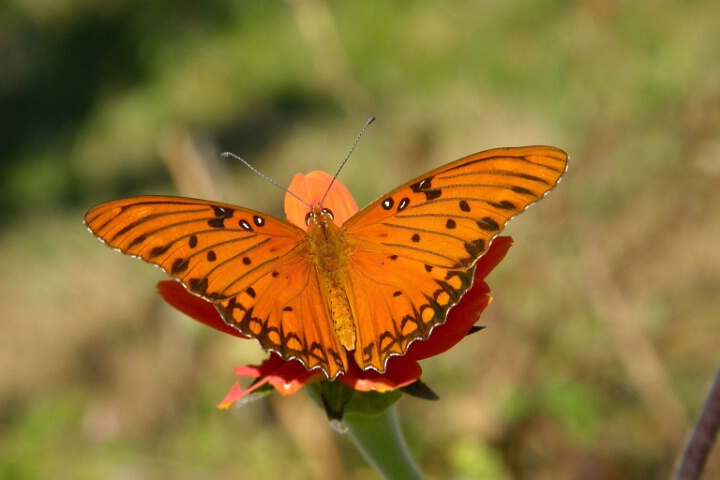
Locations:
420 250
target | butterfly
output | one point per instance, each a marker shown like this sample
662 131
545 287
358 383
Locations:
366 288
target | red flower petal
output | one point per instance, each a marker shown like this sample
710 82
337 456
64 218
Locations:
236 393
392 379
195 307
286 377
492 258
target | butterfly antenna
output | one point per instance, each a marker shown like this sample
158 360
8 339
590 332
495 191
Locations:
367 124
262 175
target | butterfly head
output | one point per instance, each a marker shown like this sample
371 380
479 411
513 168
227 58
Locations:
319 216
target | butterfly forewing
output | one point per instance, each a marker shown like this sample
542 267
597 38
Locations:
216 250
448 216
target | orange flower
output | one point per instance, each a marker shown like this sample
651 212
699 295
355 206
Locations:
287 377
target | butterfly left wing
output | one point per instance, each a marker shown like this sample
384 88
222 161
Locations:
285 312
250 265
419 242
216 250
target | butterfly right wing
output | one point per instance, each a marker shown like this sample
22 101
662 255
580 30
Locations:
413 250
249 264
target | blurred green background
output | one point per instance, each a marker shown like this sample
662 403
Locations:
603 335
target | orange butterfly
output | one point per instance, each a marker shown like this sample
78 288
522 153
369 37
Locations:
370 287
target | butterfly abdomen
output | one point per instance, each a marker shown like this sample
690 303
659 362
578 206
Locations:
341 315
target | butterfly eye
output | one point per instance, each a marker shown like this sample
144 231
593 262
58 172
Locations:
308 217
329 213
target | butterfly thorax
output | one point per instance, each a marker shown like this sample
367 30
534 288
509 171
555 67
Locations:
328 252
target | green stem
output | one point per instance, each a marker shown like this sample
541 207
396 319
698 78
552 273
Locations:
379 439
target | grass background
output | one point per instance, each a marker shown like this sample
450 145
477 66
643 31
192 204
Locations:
603 335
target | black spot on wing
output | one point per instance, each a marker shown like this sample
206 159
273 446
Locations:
221 214
368 352
432 194
137 241
522 191
214 296
179 266
157 251
216 223
476 248
488 224
504 205
425 186
198 286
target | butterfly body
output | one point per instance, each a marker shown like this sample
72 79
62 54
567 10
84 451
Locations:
328 253
368 284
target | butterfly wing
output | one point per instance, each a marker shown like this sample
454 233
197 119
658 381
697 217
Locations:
249 264
216 250
413 250
286 313
412 255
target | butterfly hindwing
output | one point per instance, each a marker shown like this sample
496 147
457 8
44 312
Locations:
285 312
399 300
